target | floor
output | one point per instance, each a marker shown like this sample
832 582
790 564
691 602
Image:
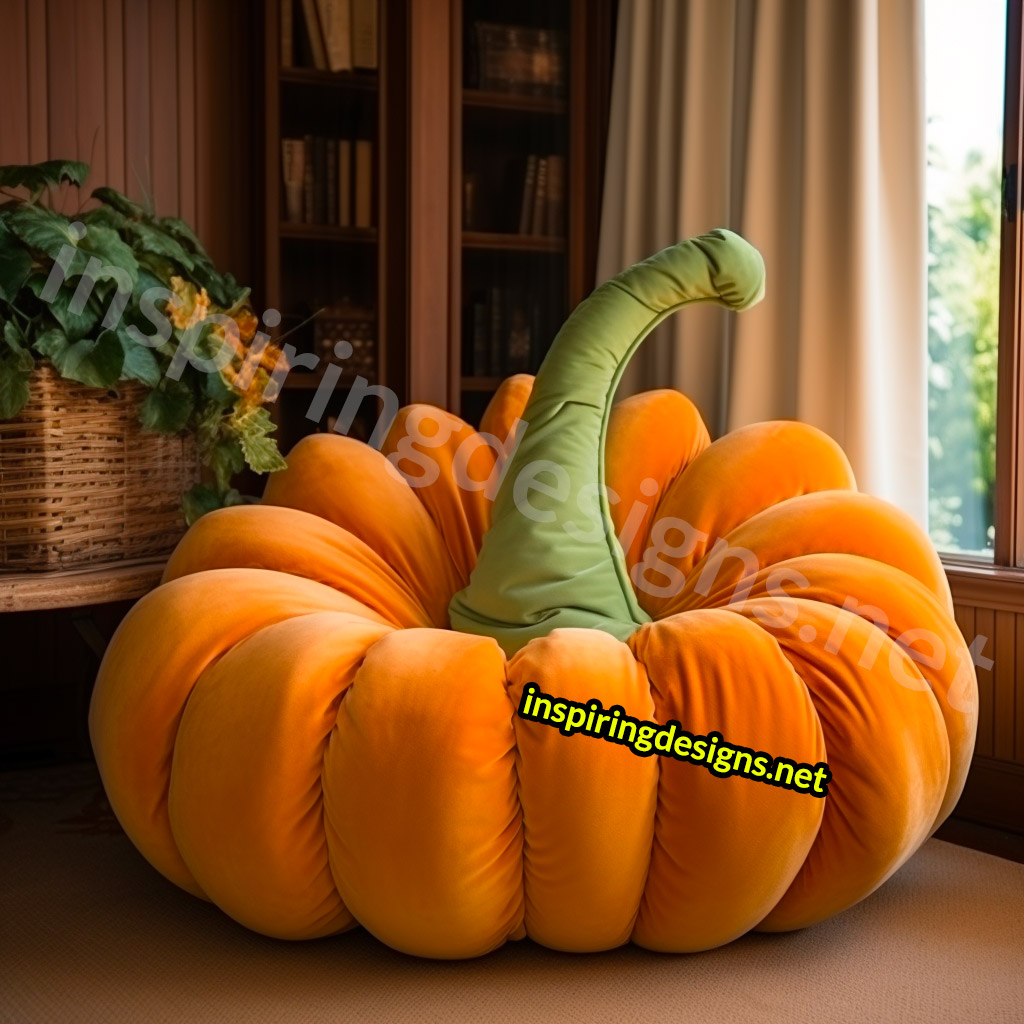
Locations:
89 932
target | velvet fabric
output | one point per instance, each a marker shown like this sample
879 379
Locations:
290 727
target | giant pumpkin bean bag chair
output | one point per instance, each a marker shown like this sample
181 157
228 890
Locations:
315 721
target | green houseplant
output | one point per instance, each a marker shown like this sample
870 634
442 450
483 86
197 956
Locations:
115 293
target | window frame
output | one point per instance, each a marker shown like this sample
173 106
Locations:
1009 508
1002 580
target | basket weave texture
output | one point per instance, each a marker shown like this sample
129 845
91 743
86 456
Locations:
81 481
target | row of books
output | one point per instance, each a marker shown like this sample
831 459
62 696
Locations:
330 35
504 326
328 181
542 210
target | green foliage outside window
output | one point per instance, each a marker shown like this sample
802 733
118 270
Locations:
963 332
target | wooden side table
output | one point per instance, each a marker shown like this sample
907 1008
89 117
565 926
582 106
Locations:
75 588
80 591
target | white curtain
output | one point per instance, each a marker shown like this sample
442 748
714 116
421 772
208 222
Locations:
799 124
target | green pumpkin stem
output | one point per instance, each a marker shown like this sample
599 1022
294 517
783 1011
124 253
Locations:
551 558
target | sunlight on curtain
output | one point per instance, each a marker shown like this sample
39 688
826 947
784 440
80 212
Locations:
801 125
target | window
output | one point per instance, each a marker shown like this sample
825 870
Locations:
973 105
964 145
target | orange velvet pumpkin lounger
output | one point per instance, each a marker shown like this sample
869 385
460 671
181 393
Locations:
621 684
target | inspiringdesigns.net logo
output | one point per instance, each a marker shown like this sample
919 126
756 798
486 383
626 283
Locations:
670 739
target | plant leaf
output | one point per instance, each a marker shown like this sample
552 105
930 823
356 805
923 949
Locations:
13 389
216 389
36 177
182 232
253 427
51 342
225 459
105 215
205 498
222 288
95 362
76 324
198 501
41 229
20 355
15 264
152 240
168 407
139 362
47 232
119 202
109 248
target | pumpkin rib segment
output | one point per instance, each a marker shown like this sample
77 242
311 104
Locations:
906 604
148 671
826 522
353 486
888 753
715 835
652 437
507 405
586 803
419 801
280 539
738 476
246 798
460 514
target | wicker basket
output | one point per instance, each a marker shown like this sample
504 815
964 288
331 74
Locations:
82 483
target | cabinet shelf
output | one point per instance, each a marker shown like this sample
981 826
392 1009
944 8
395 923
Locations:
327 233
481 383
302 381
508 242
364 81
449 172
485 100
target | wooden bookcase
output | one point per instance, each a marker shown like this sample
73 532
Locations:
430 258
310 269
531 81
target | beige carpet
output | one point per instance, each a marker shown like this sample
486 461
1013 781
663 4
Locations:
89 932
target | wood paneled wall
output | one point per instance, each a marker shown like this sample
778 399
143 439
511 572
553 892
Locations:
157 95
1001 721
993 608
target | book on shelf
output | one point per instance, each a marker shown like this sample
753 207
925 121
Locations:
363 204
518 334
364 33
336 25
554 197
502 325
529 185
331 176
308 180
494 332
319 180
542 204
538 219
292 177
328 181
344 183
338 35
314 34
